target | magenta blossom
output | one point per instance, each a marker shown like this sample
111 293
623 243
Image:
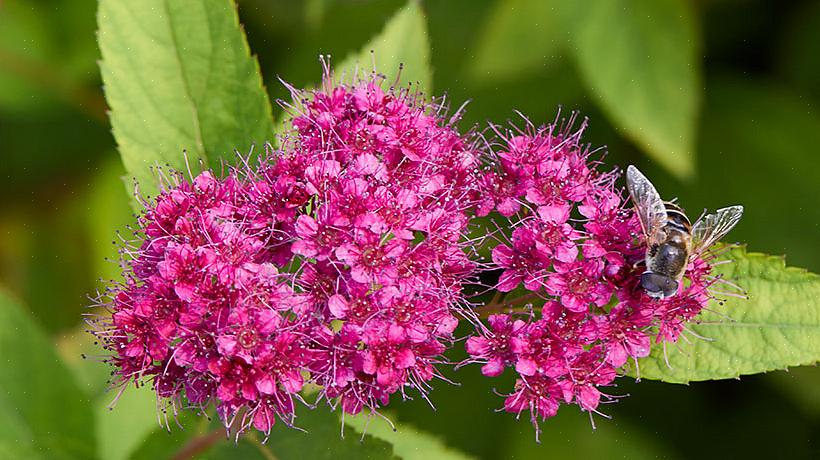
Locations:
575 251
338 261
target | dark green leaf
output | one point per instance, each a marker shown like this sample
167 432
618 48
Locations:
179 435
322 439
178 77
759 148
798 60
47 53
42 410
640 59
801 385
570 434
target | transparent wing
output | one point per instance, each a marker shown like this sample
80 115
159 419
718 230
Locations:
648 203
711 228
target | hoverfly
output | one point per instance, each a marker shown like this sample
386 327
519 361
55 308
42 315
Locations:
671 240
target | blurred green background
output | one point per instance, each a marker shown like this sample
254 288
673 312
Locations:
755 136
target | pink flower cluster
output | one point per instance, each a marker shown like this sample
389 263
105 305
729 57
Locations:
337 261
382 248
340 260
574 252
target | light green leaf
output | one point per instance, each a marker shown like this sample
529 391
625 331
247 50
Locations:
402 42
80 351
408 442
640 60
42 410
179 76
777 327
125 425
123 419
518 36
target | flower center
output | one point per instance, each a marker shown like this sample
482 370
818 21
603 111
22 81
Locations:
551 235
360 309
404 312
407 268
323 286
503 184
372 257
578 283
247 338
325 236
552 189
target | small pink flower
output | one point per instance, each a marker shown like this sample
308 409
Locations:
579 285
371 261
576 248
495 348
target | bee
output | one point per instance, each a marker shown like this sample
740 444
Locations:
671 240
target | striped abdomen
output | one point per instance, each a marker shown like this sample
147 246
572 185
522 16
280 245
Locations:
668 255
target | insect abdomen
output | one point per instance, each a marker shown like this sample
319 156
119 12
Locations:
670 257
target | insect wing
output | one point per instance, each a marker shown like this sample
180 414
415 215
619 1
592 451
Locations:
648 203
711 228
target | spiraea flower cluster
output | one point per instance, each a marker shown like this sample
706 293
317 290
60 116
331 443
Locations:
338 260
572 313
382 248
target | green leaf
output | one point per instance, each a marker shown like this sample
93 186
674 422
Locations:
766 137
402 42
125 425
798 59
640 60
801 385
179 76
42 410
408 442
322 439
777 327
108 212
47 53
570 435
518 36
124 420
186 429
80 351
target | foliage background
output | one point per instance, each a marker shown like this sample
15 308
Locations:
755 132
